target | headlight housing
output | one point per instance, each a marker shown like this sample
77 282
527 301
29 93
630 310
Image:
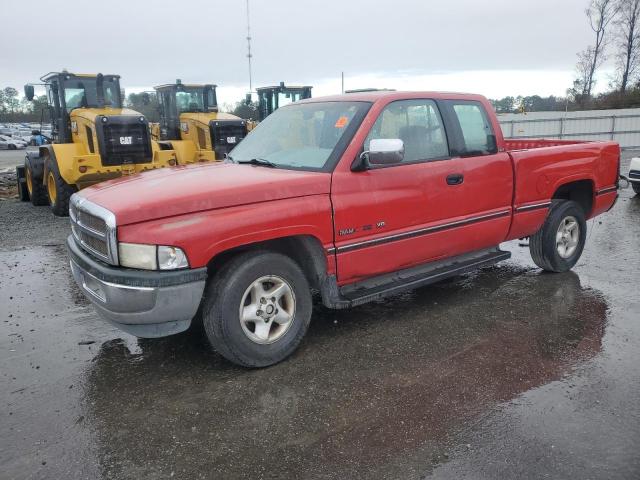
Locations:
151 257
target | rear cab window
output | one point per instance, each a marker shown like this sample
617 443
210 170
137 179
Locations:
472 132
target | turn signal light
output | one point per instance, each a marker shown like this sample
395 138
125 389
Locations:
172 162
82 169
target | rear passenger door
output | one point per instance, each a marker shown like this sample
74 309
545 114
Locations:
484 203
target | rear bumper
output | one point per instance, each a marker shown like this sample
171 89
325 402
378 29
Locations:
142 303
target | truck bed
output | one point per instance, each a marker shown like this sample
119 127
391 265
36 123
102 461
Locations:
512 144
541 167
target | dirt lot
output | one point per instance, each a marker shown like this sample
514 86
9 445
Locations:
8 161
504 373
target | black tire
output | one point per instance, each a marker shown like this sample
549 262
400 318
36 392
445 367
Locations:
21 180
11 147
224 294
36 190
542 244
59 201
636 187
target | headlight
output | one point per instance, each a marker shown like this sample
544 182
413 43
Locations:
171 258
134 255
151 257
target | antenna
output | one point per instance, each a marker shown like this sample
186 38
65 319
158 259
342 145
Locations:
249 56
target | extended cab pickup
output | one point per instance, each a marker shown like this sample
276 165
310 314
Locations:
355 196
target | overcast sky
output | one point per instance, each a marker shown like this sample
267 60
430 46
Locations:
492 47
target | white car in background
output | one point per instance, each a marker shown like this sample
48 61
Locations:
634 174
10 143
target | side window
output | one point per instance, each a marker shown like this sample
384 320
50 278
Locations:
476 129
418 124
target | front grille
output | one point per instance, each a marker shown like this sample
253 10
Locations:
92 244
91 221
634 174
93 228
124 140
226 135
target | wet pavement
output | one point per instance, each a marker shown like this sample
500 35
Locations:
503 373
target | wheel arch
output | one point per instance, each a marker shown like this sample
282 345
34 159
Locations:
306 250
580 191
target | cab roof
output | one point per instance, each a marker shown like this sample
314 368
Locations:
51 75
391 95
185 85
284 87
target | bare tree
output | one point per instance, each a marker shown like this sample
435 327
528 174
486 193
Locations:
600 14
628 42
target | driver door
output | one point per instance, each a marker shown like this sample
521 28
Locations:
378 212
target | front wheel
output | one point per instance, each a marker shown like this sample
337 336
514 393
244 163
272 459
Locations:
257 309
557 246
35 188
58 190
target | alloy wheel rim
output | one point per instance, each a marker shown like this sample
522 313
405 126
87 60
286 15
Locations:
51 188
568 237
267 309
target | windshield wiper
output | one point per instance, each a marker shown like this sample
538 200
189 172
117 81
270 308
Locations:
258 161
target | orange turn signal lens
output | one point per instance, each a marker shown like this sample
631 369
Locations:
172 162
82 169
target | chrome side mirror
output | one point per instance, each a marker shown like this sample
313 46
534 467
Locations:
384 151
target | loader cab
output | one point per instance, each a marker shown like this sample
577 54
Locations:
176 99
190 113
67 92
272 98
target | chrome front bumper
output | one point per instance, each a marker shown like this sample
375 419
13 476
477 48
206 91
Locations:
143 303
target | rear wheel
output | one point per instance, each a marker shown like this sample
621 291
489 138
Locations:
35 188
558 245
636 187
58 190
257 309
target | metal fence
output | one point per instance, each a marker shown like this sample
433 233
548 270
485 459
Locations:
622 126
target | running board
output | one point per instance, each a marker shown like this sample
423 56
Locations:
411 278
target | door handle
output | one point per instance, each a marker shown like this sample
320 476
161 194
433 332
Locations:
455 179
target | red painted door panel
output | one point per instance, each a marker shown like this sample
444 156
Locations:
393 218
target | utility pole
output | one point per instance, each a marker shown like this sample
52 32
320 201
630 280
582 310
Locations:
249 49
342 75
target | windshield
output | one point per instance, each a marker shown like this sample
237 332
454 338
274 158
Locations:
300 135
82 92
190 100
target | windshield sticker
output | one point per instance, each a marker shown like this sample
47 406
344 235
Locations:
342 121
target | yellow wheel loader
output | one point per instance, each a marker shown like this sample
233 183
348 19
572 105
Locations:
191 125
271 98
94 139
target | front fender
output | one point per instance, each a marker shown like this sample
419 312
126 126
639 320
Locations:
204 235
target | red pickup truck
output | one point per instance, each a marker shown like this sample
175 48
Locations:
356 197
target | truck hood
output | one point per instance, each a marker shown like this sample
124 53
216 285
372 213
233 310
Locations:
169 192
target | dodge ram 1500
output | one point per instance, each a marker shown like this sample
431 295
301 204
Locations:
356 197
